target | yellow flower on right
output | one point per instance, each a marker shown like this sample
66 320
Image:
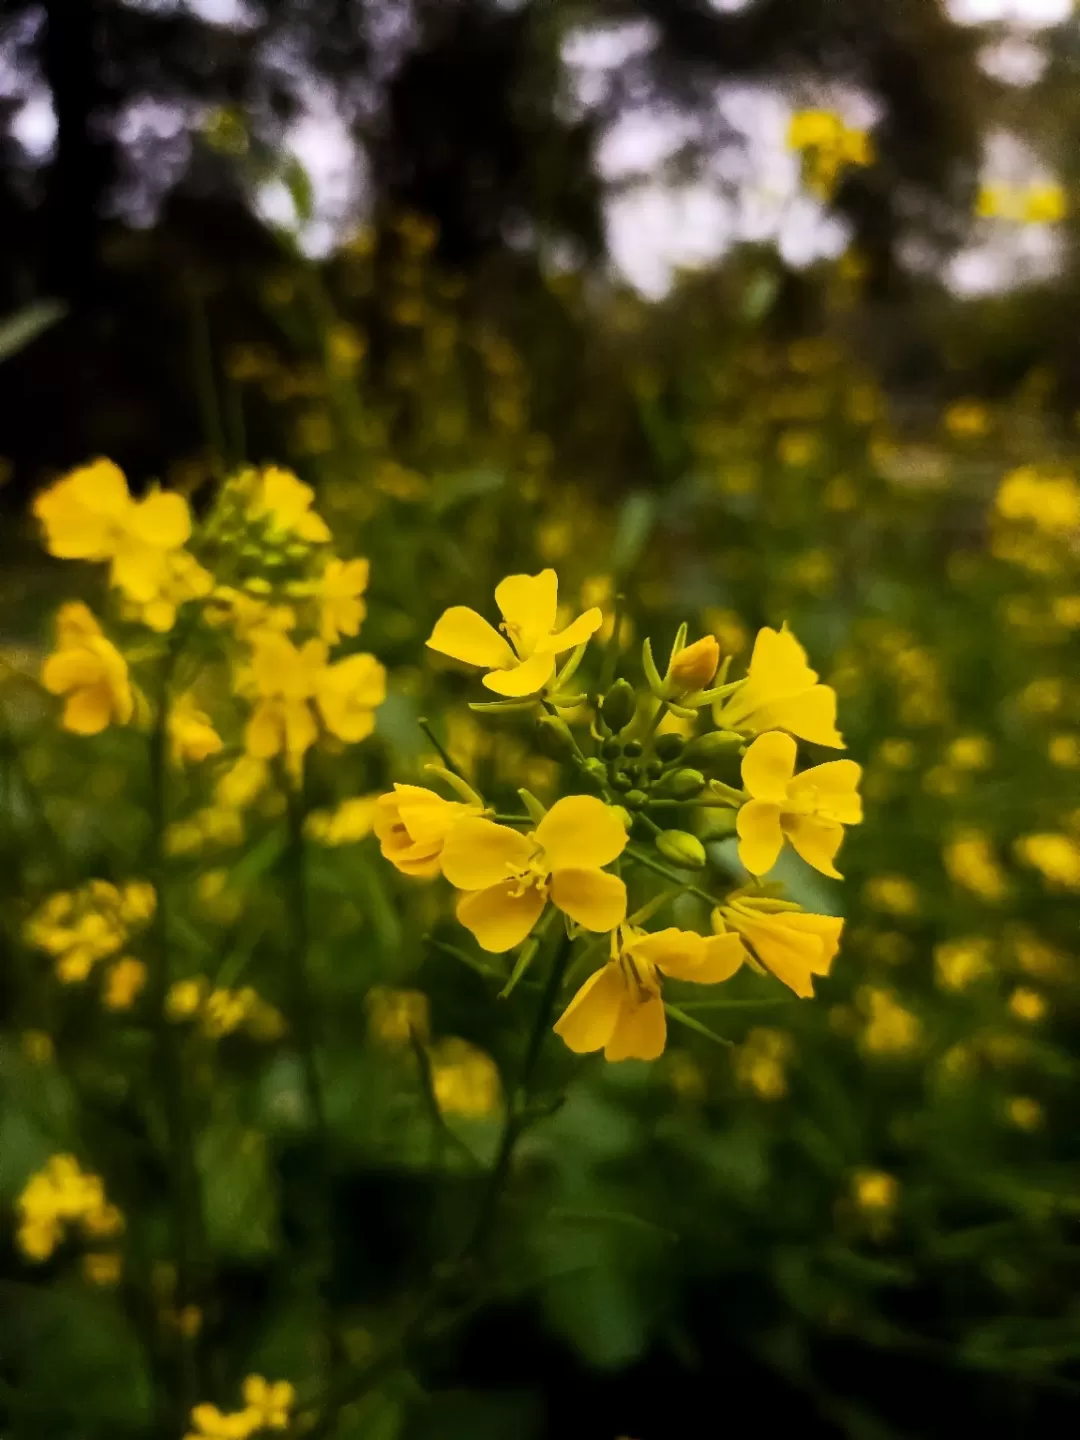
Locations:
781 692
412 825
793 944
810 809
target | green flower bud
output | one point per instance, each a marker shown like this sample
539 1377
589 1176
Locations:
621 781
611 749
632 749
654 769
714 746
596 768
635 799
669 747
618 706
553 738
685 784
681 849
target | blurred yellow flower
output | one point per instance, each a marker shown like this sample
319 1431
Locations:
1027 1004
829 146
192 737
1051 502
465 1079
970 862
1064 751
123 982
395 1015
413 823
893 894
620 1009
268 1402
509 877
283 503
970 752
90 515
760 1061
62 1194
185 997
102 1268
875 1190
958 963
1025 1113
213 1424
352 821
1056 857
89 671
967 419
889 1029
781 693
341 610
528 604
790 942
809 809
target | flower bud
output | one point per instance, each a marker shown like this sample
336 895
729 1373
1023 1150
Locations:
685 784
553 738
596 768
635 799
693 667
618 706
669 746
714 745
681 849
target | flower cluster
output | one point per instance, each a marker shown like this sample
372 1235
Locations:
220 1011
95 923
267 1406
577 859
60 1196
829 146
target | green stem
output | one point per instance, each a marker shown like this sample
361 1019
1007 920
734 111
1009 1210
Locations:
640 858
611 653
186 1198
444 754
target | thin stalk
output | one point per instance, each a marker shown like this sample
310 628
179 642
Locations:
611 651
641 858
444 754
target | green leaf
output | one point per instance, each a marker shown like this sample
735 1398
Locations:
21 329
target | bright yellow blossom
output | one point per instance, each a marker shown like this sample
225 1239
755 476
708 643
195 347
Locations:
790 942
525 664
353 820
1056 857
90 515
760 1060
295 686
412 825
781 693
283 503
620 1009
509 877
465 1080
694 666
182 578
123 982
810 809
341 610
213 1424
958 963
1027 1004
90 671
268 1402
192 737
396 1015
875 1190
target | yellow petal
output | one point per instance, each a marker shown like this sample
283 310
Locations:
640 1031
593 898
834 787
161 520
102 488
816 841
722 956
524 679
795 947
464 635
499 917
528 604
588 1021
677 953
778 666
580 832
264 733
576 633
140 570
478 853
811 716
301 731
66 669
88 711
760 836
768 765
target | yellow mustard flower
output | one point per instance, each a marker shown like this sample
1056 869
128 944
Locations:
294 685
192 737
967 419
1050 502
89 671
890 1029
620 1008
1027 1004
60 1194
893 894
246 613
352 821
1025 1113
759 1062
509 877
412 825
395 1015
185 998
269 1402
90 515
959 963
182 578
781 693
793 944
465 1080
970 861
1056 857
102 1268
213 1424
284 503
123 982
875 1190
525 663
341 610
810 809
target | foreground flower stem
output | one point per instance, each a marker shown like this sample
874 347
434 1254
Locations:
187 1226
640 857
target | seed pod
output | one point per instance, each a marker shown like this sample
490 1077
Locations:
618 706
681 849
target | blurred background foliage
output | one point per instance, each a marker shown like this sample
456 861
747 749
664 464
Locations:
861 1217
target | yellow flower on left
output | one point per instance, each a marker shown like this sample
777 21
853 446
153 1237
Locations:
412 825
810 809
90 515
89 671
524 663
509 877
294 687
